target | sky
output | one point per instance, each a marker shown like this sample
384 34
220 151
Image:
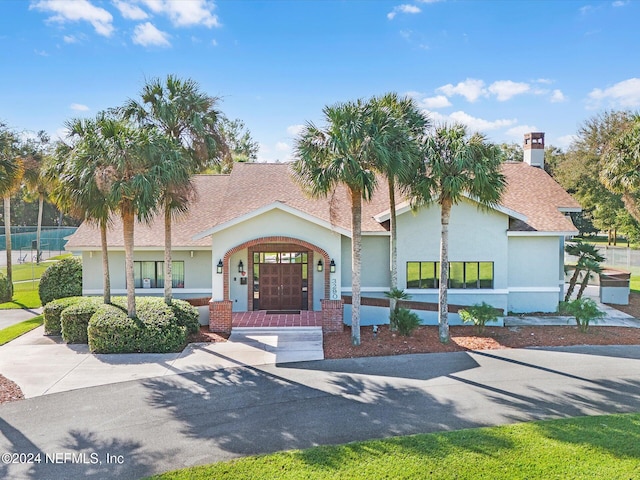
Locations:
502 67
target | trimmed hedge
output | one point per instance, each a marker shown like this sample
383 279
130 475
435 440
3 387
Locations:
52 311
60 280
4 289
158 328
75 319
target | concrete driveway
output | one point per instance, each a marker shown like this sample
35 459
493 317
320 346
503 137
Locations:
11 317
142 427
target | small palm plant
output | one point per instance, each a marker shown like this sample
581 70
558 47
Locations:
479 315
585 310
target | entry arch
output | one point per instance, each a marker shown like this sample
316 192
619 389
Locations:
280 242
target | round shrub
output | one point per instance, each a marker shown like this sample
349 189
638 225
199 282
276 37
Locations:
75 319
154 330
52 311
62 279
186 315
4 289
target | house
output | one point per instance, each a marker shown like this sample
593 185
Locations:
254 241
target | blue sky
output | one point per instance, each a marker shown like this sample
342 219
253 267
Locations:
502 67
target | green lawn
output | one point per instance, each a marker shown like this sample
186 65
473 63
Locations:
578 448
635 283
14 331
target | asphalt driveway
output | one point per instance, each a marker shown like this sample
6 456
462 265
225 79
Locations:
137 428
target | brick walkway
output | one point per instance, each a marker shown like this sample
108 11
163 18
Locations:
262 319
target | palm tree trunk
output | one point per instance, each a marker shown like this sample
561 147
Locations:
7 236
168 274
356 264
443 313
393 243
39 229
127 228
583 285
572 283
632 205
106 279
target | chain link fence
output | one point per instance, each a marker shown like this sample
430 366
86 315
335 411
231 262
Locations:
51 238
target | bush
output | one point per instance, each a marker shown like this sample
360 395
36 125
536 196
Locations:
52 311
186 315
584 310
74 319
156 329
4 289
479 315
405 321
60 280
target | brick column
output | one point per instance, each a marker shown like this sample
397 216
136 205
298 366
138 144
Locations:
332 314
220 316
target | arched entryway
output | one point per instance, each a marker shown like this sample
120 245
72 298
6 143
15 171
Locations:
280 273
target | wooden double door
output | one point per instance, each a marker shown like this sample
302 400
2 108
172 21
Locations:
281 286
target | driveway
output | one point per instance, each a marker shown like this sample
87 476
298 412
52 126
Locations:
11 317
141 427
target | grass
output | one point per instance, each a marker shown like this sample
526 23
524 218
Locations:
635 283
602 240
577 448
14 331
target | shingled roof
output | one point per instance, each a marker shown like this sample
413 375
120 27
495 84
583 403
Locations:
252 186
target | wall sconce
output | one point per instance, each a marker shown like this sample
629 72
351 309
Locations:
219 268
191 253
332 266
320 266
240 267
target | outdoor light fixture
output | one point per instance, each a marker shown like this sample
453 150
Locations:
240 267
320 267
219 269
332 266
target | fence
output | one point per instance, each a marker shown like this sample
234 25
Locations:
51 238
618 257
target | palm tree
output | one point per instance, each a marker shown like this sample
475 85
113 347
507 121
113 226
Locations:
35 179
74 185
178 109
403 125
622 166
11 170
585 252
590 266
126 159
457 166
341 153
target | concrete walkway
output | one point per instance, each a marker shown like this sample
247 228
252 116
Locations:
11 317
41 365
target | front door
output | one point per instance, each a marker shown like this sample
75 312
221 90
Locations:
281 286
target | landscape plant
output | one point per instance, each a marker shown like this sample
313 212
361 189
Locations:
394 295
479 315
585 311
74 319
405 321
5 291
62 279
52 311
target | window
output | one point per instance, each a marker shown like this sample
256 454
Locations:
461 274
152 274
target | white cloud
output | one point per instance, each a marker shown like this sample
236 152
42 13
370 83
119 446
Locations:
130 11
620 3
557 96
146 34
404 8
283 147
78 107
41 53
185 13
78 10
623 94
519 131
471 89
69 39
439 101
506 89
545 81
295 130
214 42
565 141
479 124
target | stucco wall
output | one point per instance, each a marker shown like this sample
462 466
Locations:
534 283
197 275
375 263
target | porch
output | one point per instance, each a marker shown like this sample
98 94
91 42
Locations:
264 318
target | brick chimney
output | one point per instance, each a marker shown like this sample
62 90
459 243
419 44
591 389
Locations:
534 149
